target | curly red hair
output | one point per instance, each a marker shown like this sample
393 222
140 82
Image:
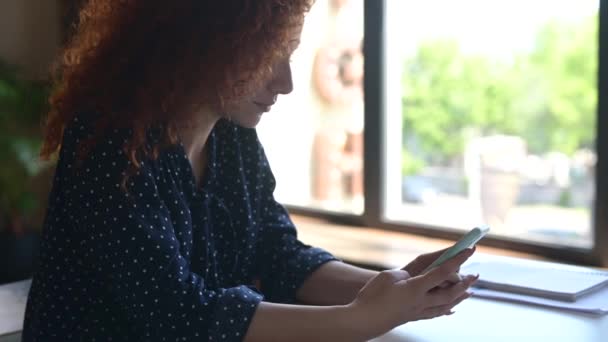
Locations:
151 63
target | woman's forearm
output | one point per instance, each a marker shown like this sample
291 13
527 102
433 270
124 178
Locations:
282 322
333 286
334 283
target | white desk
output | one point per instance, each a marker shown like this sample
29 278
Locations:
486 320
492 320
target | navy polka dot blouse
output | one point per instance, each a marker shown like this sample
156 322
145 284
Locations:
170 261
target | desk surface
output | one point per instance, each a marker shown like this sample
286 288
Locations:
486 320
474 320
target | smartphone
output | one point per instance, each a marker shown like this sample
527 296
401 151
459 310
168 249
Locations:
467 241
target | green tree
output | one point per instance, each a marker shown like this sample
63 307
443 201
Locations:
563 77
447 95
547 95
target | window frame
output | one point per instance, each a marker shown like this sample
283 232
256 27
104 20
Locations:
374 145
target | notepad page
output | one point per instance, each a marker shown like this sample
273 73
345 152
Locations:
550 279
595 303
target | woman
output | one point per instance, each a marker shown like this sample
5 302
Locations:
161 222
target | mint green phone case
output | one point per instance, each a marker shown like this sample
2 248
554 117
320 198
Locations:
467 241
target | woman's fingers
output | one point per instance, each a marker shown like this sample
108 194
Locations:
438 275
445 309
458 300
445 296
453 278
422 261
395 275
434 255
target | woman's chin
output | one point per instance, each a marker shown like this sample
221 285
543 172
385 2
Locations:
248 120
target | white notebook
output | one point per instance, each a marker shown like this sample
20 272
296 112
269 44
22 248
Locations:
596 303
550 281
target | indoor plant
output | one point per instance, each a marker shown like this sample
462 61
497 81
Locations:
24 179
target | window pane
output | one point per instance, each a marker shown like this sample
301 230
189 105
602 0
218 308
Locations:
492 111
314 136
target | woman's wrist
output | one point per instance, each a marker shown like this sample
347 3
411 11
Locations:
334 283
286 322
355 319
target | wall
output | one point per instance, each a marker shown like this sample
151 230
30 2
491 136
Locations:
30 34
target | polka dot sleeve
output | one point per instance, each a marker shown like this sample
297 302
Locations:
286 261
129 242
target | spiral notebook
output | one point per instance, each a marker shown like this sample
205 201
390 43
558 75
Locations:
546 280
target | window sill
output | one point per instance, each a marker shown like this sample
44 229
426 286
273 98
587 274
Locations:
377 248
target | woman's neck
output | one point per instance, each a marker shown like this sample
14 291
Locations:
194 136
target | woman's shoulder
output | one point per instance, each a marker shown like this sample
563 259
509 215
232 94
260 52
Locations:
88 150
107 169
83 141
85 126
104 137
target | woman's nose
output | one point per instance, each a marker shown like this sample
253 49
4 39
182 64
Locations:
281 81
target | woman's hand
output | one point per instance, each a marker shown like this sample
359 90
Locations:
416 266
393 297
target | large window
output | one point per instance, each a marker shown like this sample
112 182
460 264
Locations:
475 112
495 106
314 136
